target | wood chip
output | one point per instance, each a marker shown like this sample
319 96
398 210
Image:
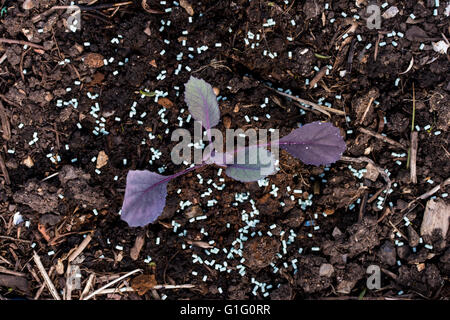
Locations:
138 244
102 159
436 216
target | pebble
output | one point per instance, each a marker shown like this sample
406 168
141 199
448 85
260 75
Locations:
326 270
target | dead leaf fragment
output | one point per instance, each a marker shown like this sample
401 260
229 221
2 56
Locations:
94 60
143 283
187 6
371 173
440 47
166 103
102 159
28 162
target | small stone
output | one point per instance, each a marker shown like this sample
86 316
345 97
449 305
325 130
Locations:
403 252
28 5
216 91
326 270
387 253
337 233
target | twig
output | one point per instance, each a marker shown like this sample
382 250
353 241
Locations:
157 287
6 127
111 283
4 171
13 41
14 239
414 146
14 273
411 205
382 138
40 16
367 110
44 274
362 208
50 176
434 190
88 286
318 76
174 286
315 106
380 171
80 248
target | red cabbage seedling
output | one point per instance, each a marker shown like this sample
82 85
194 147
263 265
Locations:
316 143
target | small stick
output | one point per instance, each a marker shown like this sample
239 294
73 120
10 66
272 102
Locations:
80 248
5 173
14 239
318 76
411 205
68 290
50 176
380 171
40 16
382 138
414 146
434 190
175 286
6 127
376 47
11 272
13 41
44 274
161 286
88 286
324 110
367 110
39 292
111 283
362 208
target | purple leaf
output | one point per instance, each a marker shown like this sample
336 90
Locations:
145 197
251 164
202 102
317 143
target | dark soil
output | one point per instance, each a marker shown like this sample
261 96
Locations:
360 225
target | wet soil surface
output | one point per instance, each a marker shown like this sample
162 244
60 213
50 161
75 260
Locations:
80 109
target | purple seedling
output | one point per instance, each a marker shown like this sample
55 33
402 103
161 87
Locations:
316 143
